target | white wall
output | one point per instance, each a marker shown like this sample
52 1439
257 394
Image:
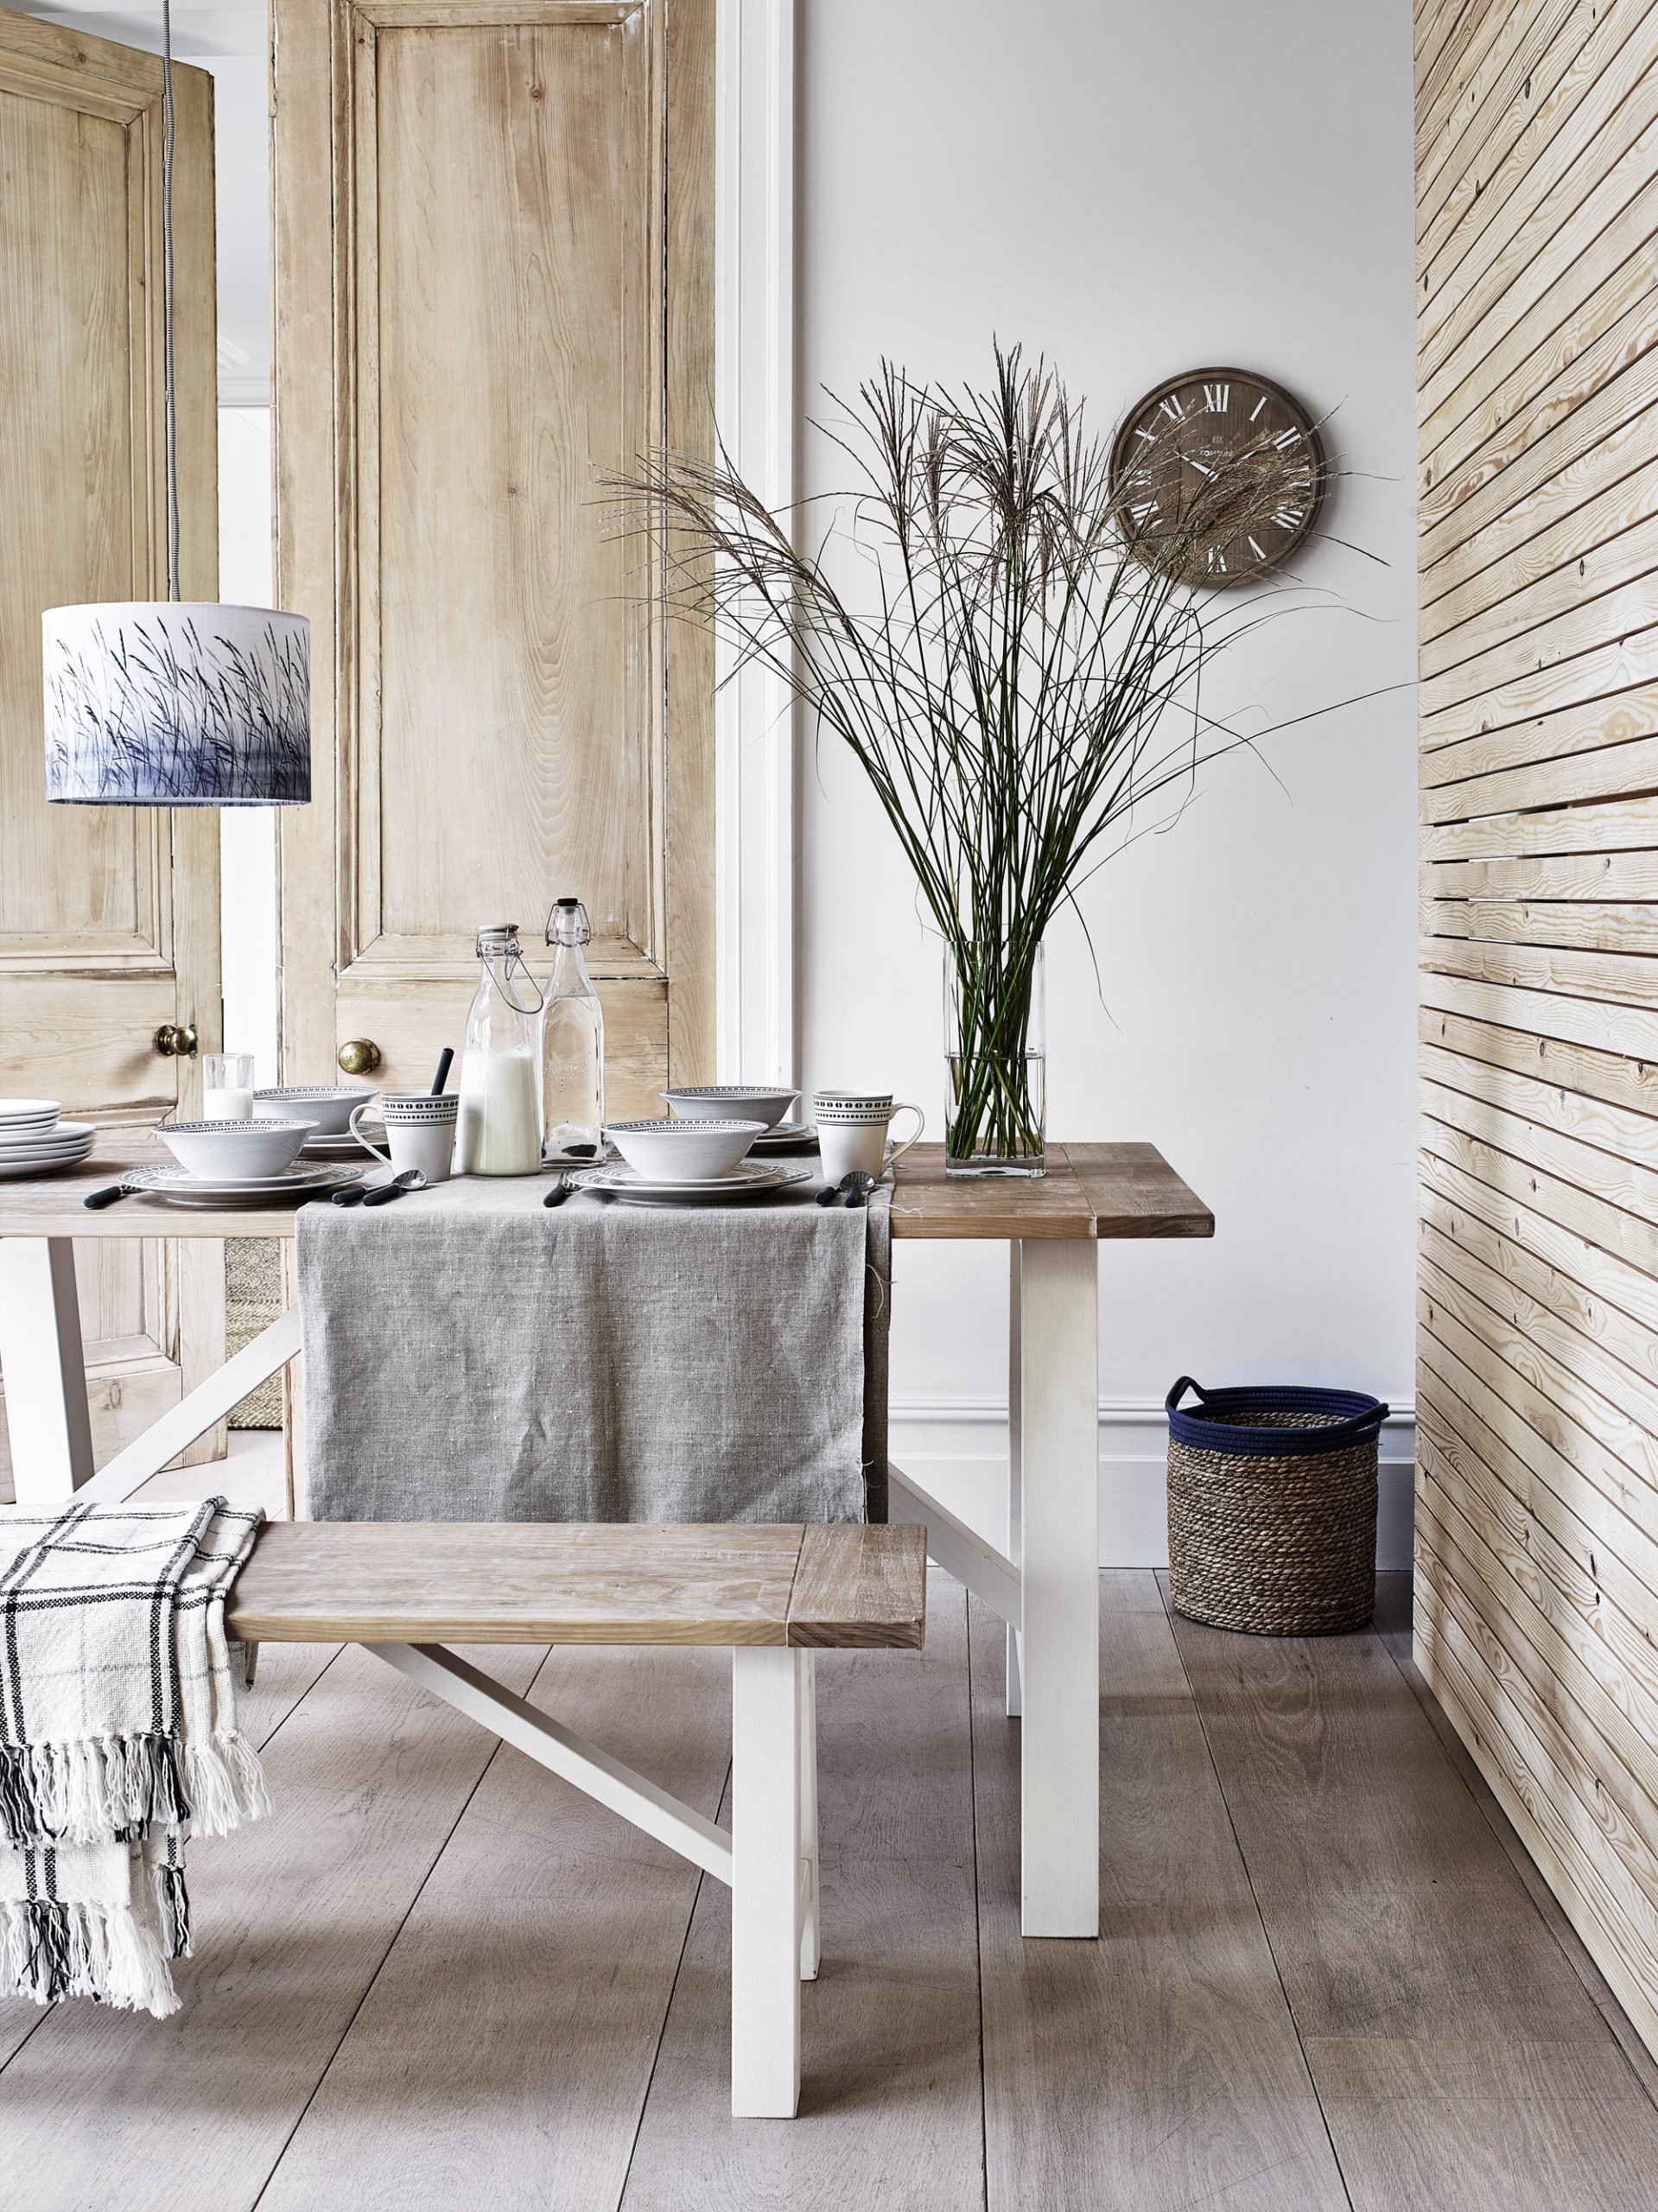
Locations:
1139 186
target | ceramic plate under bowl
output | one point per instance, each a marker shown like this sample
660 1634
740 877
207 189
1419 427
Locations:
787 1137
292 1185
346 1148
753 1179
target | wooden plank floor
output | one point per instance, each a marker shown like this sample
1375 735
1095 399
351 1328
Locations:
1328 1977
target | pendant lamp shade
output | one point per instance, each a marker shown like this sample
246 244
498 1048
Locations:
158 702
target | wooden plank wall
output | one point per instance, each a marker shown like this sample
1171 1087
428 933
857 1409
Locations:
1537 1483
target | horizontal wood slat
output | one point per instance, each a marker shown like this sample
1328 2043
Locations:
1510 450
1593 727
1602 491
1591 926
1537 1382
1625 825
1600 875
1522 370
1538 228
1602 773
1614 1076
1587 69
1601 546
1626 978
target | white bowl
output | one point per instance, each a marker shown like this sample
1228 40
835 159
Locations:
683 1151
328 1107
234 1152
718 1102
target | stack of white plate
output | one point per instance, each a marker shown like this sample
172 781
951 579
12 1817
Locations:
34 1141
751 1179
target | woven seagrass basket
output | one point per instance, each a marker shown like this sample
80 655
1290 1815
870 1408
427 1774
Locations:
1273 1509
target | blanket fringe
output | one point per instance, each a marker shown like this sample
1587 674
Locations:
226 1783
90 1790
173 1905
52 1950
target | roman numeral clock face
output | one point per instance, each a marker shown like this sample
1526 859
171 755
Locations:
1218 474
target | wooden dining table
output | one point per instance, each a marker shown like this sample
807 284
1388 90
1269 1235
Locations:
1044 1585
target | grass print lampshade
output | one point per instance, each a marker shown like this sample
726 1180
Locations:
156 702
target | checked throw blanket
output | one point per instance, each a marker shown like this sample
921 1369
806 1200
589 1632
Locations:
117 1737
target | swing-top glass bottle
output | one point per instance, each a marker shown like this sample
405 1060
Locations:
572 1038
499 1129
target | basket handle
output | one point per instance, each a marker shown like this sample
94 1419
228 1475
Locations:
1331 1439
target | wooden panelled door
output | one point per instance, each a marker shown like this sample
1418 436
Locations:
495 283
109 916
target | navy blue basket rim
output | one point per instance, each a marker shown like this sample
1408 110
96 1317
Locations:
1355 1417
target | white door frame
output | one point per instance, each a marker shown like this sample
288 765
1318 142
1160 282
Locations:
756 741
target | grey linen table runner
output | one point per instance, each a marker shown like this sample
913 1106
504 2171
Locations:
472 1356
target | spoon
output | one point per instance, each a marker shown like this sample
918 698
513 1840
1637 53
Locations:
558 1193
857 1187
411 1178
837 1194
445 1062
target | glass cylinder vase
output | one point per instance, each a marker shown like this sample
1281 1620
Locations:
995 1045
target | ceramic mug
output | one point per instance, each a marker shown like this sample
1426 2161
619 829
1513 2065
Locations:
852 1128
419 1129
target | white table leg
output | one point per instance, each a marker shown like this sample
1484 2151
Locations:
44 1369
765 1918
811 1949
1015 1477
1057 1394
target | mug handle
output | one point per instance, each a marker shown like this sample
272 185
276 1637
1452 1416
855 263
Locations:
903 1106
384 1158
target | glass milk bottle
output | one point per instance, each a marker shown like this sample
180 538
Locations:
500 1128
572 1037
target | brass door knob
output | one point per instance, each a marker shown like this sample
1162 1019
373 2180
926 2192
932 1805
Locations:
176 1041
360 1057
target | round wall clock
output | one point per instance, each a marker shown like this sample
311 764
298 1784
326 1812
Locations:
1227 457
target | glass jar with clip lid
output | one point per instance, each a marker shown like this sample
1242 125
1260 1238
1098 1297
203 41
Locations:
499 1129
573 1041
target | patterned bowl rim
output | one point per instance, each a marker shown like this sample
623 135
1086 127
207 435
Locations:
704 1129
316 1090
728 1090
243 1128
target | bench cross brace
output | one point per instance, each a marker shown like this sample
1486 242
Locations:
769 1858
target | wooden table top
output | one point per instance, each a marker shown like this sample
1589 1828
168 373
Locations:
1106 1191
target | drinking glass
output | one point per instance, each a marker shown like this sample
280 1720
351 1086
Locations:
227 1087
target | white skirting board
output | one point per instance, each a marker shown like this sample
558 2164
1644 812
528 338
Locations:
958 1449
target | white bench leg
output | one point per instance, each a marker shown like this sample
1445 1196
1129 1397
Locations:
765 1886
44 1369
810 1941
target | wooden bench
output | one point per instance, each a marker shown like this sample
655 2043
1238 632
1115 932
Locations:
776 1595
